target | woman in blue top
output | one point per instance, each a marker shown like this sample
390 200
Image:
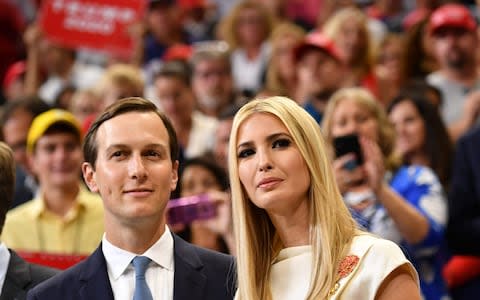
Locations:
405 204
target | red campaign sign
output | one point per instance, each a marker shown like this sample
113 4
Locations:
53 260
95 24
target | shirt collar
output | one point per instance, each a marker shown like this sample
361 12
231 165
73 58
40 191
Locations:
118 259
39 208
4 261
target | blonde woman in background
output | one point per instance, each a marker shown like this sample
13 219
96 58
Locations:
247 30
120 81
348 28
295 238
281 79
117 82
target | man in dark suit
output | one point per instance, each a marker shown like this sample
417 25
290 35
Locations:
130 153
16 275
463 230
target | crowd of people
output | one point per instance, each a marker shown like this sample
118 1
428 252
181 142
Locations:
247 102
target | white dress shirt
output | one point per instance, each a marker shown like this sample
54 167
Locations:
159 274
202 135
4 260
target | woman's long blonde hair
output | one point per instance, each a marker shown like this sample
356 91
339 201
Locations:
331 225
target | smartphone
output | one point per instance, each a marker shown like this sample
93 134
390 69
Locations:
349 144
185 210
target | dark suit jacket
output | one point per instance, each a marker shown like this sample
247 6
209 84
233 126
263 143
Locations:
199 274
463 230
23 192
22 276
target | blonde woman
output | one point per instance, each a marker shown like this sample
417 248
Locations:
246 30
295 238
281 77
348 28
120 81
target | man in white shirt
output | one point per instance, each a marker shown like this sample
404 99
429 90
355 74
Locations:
212 81
130 153
16 275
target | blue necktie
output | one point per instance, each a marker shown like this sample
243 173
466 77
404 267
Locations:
142 292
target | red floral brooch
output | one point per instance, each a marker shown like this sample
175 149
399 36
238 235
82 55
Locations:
344 269
347 265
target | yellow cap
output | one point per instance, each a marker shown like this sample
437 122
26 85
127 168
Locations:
45 120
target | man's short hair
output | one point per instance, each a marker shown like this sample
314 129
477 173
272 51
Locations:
208 53
177 69
7 180
123 106
31 104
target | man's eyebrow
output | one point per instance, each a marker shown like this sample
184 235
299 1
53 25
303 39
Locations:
125 146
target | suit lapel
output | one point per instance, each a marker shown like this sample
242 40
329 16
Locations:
94 281
189 280
17 279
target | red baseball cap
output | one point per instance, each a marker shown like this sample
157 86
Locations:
178 51
452 15
317 40
14 72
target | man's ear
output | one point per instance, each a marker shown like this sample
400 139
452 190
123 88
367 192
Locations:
89 177
174 182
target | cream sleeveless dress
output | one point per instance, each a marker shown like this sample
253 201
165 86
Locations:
377 258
